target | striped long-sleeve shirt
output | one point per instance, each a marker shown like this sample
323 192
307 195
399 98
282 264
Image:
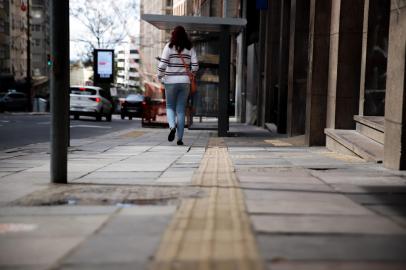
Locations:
170 67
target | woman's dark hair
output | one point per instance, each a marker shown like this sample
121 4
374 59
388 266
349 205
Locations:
180 39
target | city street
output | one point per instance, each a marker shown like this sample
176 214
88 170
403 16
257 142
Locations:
17 130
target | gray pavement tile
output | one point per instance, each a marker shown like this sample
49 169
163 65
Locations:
279 179
136 225
177 175
113 181
105 266
2 174
12 191
261 162
364 180
54 226
287 187
280 202
388 210
382 198
276 172
56 210
122 178
150 210
343 265
339 247
401 220
324 224
355 189
24 267
123 248
35 250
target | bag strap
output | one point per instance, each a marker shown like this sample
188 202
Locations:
186 66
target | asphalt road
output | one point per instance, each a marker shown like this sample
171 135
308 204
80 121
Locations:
21 129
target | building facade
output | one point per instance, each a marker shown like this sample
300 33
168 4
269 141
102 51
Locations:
152 40
5 37
128 64
332 72
40 39
17 24
14 48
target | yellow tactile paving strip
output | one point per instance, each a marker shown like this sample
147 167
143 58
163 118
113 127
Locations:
212 232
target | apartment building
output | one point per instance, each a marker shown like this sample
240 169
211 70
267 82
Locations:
40 45
128 64
152 40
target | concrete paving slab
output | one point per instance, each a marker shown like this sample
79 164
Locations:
364 180
2 174
119 178
54 226
401 220
388 210
308 207
150 210
138 166
373 248
287 187
11 192
115 249
35 250
326 265
56 210
280 179
326 224
24 267
136 225
105 266
380 198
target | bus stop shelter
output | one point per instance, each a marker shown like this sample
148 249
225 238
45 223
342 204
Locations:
224 27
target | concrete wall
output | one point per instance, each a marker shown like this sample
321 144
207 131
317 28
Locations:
395 111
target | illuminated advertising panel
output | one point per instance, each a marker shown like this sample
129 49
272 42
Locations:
103 65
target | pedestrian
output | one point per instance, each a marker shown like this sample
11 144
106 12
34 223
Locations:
177 62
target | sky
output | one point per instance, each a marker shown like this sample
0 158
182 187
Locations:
77 30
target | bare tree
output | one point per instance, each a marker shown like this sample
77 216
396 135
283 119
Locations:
103 23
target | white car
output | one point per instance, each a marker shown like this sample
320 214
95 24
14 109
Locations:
90 101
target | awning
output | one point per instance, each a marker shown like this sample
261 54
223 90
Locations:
192 23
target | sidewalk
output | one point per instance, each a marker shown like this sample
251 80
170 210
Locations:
249 201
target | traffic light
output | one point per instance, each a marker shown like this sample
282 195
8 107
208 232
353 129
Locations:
49 60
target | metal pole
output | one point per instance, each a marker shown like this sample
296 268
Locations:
59 89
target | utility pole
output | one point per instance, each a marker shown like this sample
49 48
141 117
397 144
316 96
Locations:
59 90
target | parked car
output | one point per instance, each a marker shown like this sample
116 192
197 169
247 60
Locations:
132 106
13 101
90 101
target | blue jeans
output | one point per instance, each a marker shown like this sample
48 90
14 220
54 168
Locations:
176 98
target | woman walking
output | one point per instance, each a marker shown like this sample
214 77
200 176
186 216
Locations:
177 61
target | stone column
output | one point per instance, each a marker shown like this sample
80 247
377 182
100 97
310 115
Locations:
298 67
345 63
363 58
317 79
395 107
283 65
272 51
